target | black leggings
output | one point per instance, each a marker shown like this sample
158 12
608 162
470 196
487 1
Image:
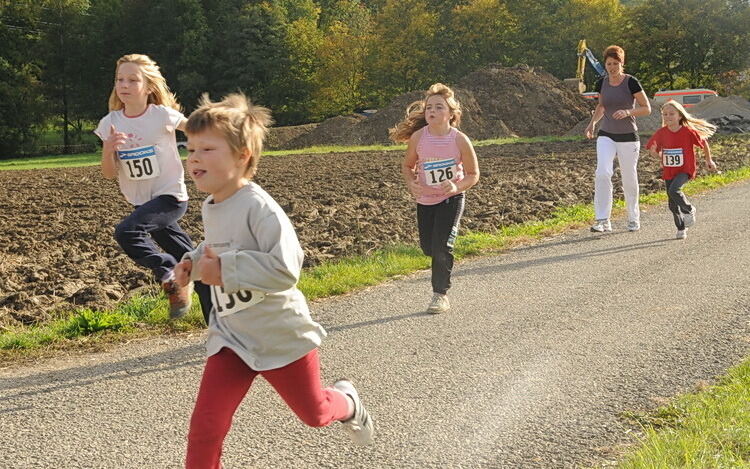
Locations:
438 228
678 203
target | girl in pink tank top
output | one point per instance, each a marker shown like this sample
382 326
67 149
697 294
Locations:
439 166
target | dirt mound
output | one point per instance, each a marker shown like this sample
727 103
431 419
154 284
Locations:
279 137
530 101
714 108
333 131
496 102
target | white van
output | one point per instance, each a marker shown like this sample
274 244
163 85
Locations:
688 98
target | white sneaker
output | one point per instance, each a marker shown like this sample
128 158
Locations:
439 304
360 427
681 234
634 225
601 226
689 218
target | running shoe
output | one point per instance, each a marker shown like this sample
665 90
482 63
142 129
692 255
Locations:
360 427
439 304
601 226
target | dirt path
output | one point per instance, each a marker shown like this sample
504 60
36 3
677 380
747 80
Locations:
545 346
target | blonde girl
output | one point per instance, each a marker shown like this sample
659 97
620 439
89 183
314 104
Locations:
140 150
674 144
251 258
439 166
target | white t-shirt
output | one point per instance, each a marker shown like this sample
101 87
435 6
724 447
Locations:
150 164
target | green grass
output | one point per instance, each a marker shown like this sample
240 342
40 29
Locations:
704 430
93 159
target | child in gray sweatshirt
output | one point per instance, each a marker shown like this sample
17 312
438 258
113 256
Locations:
251 258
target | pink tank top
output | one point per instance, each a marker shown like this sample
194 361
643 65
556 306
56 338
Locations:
438 159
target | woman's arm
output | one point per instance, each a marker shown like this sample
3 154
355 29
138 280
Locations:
595 117
642 107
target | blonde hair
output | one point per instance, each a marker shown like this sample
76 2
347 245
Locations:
415 119
703 128
158 91
243 125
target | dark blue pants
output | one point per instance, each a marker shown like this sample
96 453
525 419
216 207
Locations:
438 228
678 203
155 223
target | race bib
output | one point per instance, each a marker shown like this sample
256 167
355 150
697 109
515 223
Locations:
229 304
673 157
436 172
139 163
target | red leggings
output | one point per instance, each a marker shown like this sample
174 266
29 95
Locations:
226 380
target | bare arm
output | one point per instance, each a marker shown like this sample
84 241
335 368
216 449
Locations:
109 153
471 165
409 165
709 161
595 117
642 107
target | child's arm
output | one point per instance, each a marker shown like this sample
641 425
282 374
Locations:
471 167
409 165
109 152
274 267
189 268
707 152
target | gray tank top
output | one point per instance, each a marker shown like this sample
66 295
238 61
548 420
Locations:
614 98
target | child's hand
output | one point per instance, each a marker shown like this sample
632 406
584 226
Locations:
113 142
414 187
711 165
449 187
182 272
210 267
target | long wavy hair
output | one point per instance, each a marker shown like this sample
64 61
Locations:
415 119
704 128
158 91
243 125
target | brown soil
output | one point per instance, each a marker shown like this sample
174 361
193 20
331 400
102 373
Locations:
496 102
57 249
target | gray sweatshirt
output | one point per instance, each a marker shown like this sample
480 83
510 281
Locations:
259 313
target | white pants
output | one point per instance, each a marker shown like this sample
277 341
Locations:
627 155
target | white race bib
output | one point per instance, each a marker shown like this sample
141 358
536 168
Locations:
230 304
436 172
673 157
139 163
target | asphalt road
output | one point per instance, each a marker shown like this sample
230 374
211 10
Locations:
544 348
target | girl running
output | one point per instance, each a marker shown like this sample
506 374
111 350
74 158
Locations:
439 166
140 150
251 258
674 145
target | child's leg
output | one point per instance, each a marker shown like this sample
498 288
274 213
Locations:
298 383
133 233
425 221
176 242
675 192
226 380
605 159
627 154
673 207
445 229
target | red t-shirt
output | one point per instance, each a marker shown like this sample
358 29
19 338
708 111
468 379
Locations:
678 155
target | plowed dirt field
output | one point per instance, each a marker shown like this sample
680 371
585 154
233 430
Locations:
56 239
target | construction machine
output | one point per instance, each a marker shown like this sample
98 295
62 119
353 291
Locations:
584 54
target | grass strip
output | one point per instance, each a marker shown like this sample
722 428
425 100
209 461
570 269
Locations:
709 429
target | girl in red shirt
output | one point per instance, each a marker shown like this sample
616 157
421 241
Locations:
675 145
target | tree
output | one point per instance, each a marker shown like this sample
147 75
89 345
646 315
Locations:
22 104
